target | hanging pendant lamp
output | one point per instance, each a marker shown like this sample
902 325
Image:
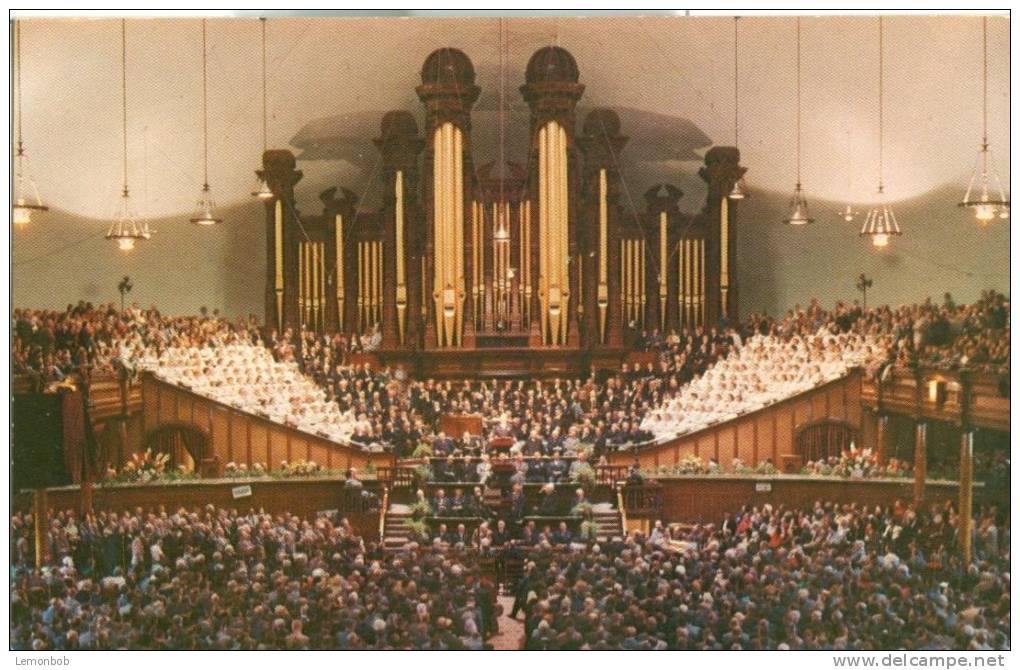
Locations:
739 190
26 194
798 208
985 195
880 223
262 190
205 213
125 229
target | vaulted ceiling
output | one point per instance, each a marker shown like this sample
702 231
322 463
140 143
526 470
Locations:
671 79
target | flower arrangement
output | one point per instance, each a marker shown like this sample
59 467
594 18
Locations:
299 468
692 465
856 464
241 471
148 467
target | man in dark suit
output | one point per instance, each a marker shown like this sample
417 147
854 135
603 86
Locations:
440 503
517 504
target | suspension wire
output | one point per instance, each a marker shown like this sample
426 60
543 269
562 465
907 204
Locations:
736 84
502 106
205 111
984 81
798 102
264 123
123 94
881 105
17 80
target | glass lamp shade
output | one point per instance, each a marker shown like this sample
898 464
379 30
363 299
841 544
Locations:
262 191
125 229
739 190
985 195
880 224
26 194
798 215
204 213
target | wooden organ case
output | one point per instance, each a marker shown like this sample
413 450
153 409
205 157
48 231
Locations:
466 270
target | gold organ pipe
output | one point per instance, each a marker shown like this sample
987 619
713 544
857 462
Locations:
642 277
278 243
543 227
458 221
361 286
529 288
663 270
603 288
322 285
302 290
563 262
401 296
339 241
724 244
701 290
315 284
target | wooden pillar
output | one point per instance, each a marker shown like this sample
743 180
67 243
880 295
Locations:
920 461
42 527
966 494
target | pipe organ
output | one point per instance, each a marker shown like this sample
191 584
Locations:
459 257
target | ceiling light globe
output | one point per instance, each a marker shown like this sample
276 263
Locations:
126 243
880 240
22 216
984 212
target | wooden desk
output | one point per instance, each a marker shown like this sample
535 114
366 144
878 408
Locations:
454 425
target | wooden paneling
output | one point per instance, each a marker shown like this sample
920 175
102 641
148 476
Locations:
304 497
746 440
766 433
259 445
277 447
220 432
707 499
240 437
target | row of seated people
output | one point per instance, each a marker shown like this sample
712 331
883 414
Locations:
536 469
552 501
502 537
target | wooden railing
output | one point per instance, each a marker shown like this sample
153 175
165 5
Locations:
979 399
642 501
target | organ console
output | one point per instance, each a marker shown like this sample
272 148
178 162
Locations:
460 260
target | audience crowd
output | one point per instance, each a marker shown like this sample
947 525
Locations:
838 577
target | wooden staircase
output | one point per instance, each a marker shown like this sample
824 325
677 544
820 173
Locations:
395 531
609 522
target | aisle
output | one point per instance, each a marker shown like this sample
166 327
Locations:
510 632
